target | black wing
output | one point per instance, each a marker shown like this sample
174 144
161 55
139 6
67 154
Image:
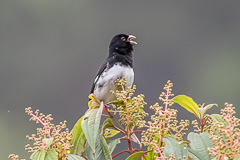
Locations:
99 73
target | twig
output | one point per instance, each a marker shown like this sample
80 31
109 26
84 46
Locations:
137 131
111 116
120 153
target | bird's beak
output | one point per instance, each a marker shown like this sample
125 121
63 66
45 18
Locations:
130 39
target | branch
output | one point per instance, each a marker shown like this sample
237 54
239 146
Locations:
137 131
120 153
111 116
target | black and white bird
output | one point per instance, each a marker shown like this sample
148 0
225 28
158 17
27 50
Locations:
119 64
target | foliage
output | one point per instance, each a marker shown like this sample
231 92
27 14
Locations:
96 134
226 135
51 142
163 124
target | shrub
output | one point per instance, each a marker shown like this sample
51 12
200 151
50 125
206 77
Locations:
93 137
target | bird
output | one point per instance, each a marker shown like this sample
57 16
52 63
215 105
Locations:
118 64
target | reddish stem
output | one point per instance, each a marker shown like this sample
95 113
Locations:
145 156
38 119
104 115
120 153
137 131
118 129
200 121
135 149
111 116
205 121
123 138
44 124
130 146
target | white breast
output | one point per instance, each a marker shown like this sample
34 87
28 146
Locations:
106 81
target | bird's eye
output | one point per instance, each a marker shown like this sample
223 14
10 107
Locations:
123 39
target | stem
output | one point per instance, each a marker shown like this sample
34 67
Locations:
202 126
130 147
104 115
203 123
120 153
135 149
123 138
38 119
137 131
44 124
119 129
130 150
145 156
162 125
111 116
84 156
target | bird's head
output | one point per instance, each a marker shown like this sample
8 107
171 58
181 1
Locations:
122 44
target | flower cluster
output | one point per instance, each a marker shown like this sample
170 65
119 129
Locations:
225 134
59 140
14 157
130 108
49 138
163 123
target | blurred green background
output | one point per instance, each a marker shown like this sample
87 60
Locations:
50 52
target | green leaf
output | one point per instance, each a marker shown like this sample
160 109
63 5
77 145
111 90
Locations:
89 152
182 143
105 149
195 155
218 118
187 103
203 110
107 123
90 125
48 141
110 133
173 147
200 143
38 155
51 155
116 103
150 155
112 144
102 150
135 155
74 157
78 139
